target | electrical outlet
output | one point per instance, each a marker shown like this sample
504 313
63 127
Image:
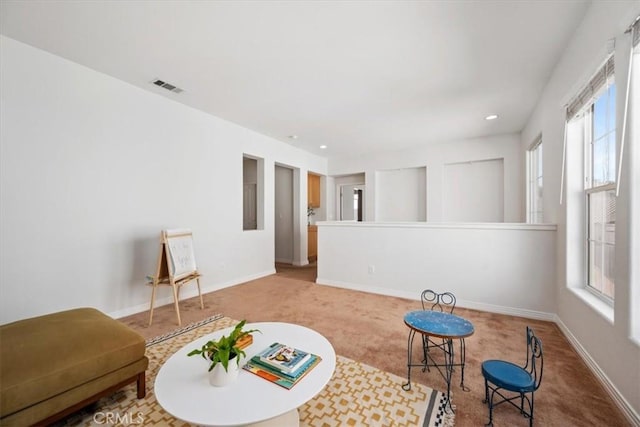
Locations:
372 269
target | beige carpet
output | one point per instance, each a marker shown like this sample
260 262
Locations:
369 328
357 394
307 272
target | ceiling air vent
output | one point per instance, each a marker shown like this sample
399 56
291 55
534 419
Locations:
167 86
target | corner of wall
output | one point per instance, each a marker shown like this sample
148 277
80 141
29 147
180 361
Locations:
622 403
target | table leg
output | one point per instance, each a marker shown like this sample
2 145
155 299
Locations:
412 334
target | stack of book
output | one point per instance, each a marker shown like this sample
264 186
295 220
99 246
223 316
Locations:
282 364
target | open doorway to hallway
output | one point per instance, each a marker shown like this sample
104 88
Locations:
283 215
287 251
307 273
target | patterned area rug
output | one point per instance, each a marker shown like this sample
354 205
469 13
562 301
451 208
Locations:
357 394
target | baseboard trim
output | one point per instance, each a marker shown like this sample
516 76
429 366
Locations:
362 288
510 311
491 308
612 390
189 292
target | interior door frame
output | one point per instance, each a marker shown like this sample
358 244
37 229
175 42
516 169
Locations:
360 202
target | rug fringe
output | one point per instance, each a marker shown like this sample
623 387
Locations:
189 327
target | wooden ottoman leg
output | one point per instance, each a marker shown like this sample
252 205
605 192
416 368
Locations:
142 389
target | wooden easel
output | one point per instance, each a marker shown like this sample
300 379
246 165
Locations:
176 267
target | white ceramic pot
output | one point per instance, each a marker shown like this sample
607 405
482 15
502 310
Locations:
218 377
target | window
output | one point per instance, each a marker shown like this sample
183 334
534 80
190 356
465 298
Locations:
600 190
591 188
534 183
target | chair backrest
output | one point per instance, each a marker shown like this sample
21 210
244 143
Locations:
434 301
535 361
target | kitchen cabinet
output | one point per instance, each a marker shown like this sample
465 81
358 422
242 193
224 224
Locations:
313 190
312 243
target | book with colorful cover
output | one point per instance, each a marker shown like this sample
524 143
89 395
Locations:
293 375
283 357
255 366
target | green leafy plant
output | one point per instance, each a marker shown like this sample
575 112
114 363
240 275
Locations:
224 349
310 211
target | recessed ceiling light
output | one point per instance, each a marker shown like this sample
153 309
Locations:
491 117
293 136
322 147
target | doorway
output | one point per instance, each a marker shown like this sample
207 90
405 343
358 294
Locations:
351 202
283 214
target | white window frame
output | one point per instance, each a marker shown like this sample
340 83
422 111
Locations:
634 184
534 156
590 190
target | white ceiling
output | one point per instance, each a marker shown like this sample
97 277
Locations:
358 76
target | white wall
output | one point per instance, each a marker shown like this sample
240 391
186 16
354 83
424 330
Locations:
604 341
401 194
473 191
403 259
434 157
93 168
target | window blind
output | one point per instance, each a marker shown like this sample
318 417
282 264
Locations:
588 93
581 100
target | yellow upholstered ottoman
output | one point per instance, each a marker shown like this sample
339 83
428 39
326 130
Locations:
53 365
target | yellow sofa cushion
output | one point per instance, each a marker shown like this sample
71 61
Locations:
47 355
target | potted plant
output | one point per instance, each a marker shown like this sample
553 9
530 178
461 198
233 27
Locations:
222 351
310 213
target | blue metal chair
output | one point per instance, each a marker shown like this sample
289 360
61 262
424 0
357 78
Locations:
432 300
500 375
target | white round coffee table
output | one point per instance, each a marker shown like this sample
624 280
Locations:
182 386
